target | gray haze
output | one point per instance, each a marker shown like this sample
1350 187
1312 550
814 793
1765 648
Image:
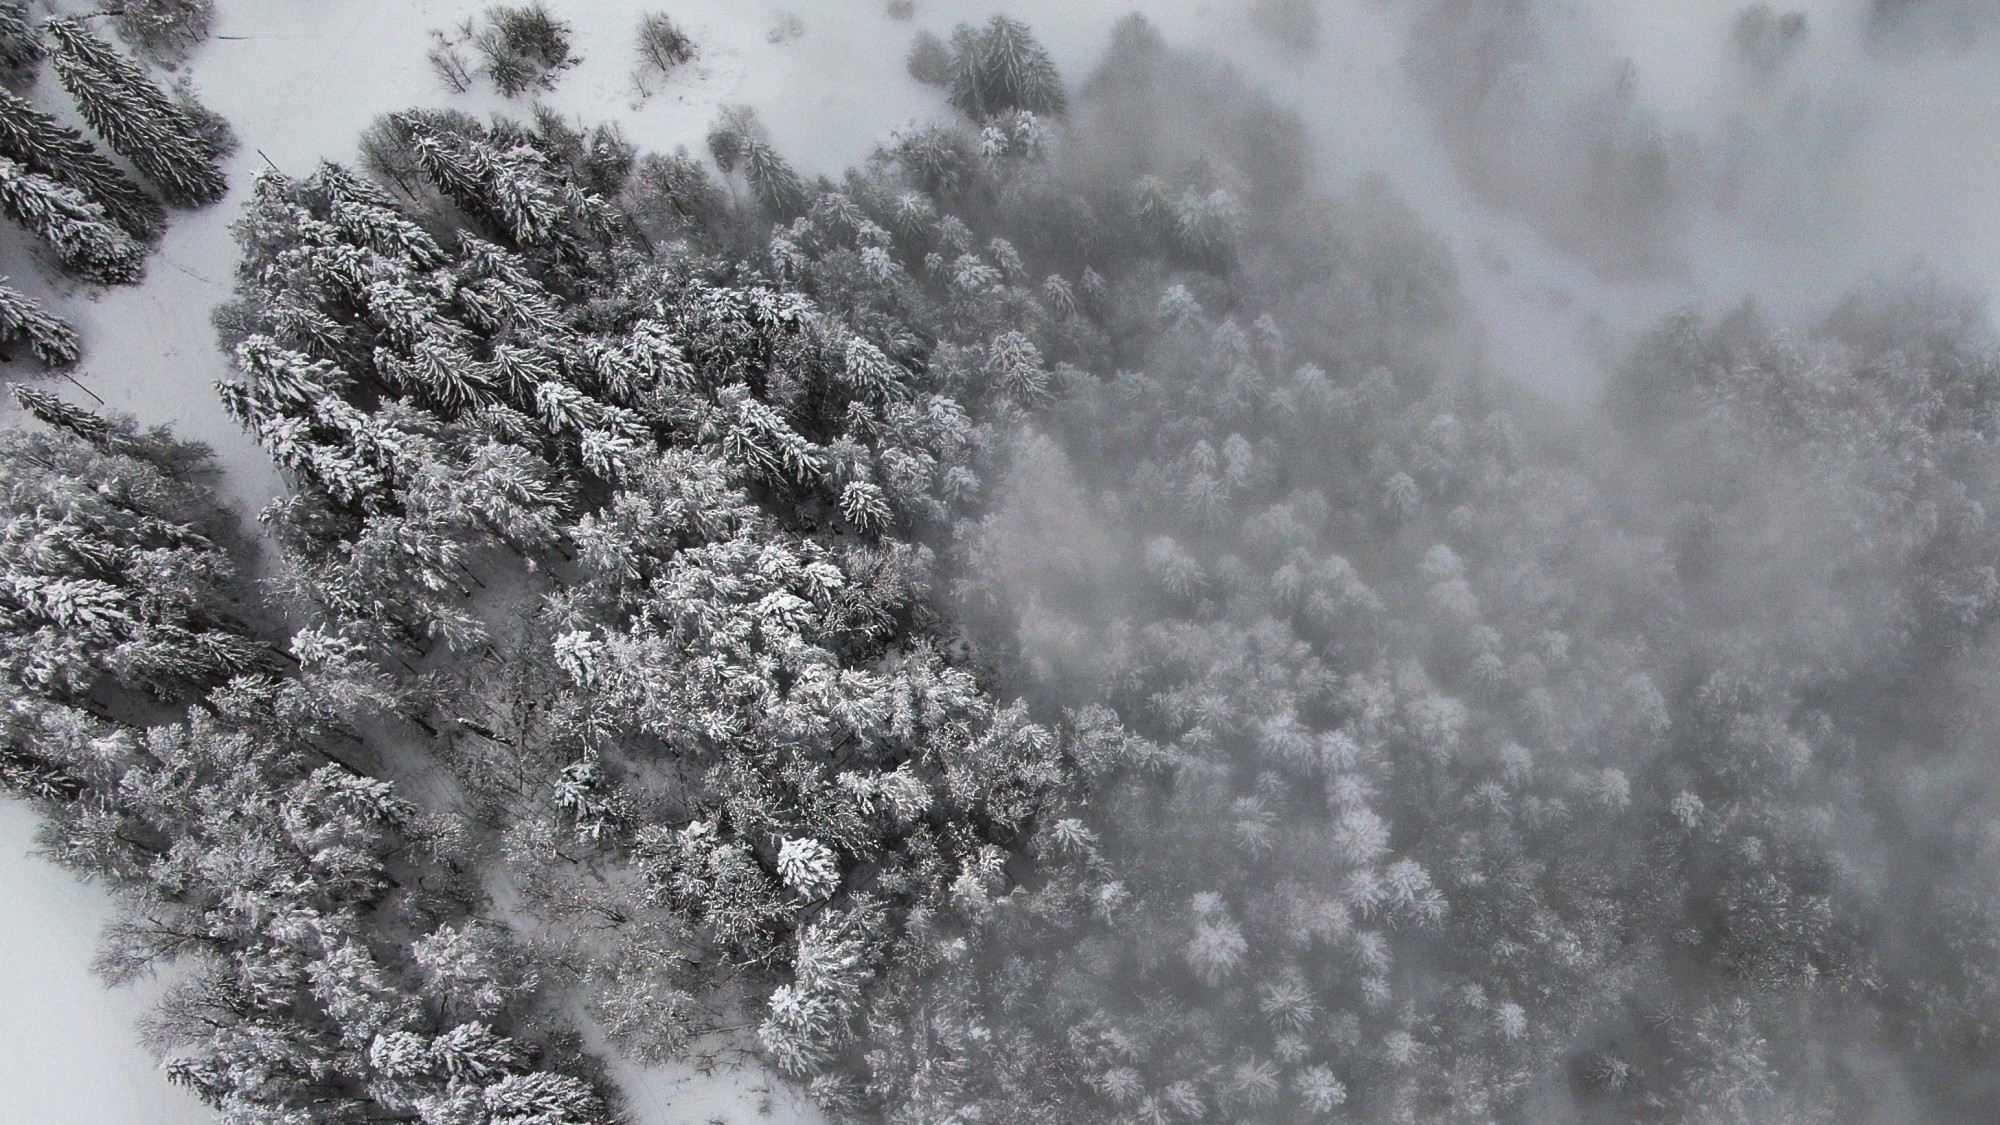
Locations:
1594 166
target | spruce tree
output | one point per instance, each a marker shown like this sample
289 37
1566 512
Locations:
42 144
22 317
21 48
82 236
1001 67
137 118
503 180
56 414
777 187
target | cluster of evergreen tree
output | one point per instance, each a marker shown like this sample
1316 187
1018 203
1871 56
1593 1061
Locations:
717 720
171 144
1053 626
1323 662
329 966
95 221
163 29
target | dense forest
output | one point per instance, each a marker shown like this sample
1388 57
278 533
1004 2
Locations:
1056 624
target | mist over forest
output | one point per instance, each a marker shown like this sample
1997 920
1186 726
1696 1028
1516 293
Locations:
1342 561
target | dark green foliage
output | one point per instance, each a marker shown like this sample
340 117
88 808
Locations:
1000 67
44 145
53 341
174 147
76 230
525 47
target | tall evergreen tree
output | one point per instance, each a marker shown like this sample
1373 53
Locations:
22 317
1001 67
56 414
83 237
137 118
110 569
21 49
44 145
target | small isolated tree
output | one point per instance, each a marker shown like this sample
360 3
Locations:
168 143
738 142
787 27
929 61
662 47
668 194
1000 67
448 61
525 48
22 317
1293 25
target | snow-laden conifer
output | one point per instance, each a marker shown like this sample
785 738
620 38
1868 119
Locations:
135 117
1000 67
42 144
76 230
52 339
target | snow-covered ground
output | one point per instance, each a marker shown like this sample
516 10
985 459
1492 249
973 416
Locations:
68 1051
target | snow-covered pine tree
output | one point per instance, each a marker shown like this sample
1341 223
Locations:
59 415
110 569
525 47
136 118
44 145
777 187
499 179
662 45
1001 67
22 317
929 60
163 29
82 236
738 141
